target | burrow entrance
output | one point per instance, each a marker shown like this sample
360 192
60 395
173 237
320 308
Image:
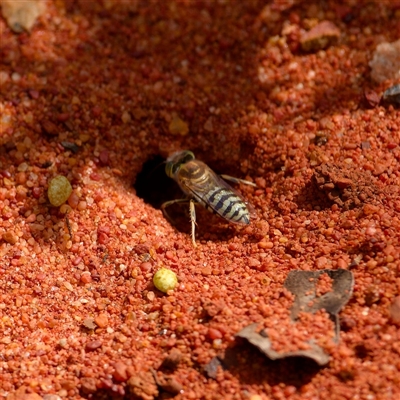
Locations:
153 185
155 188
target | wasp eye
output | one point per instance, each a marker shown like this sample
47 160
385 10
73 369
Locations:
175 168
187 156
171 169
168 169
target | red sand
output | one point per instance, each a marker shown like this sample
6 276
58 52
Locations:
79 315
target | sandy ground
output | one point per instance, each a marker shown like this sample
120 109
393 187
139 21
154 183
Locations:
280 93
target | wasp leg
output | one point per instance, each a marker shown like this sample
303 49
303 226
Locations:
237 180
193 220
169 203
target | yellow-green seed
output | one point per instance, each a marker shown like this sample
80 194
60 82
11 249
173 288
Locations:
165 279
59 190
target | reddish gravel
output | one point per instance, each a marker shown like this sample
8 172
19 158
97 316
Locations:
97 89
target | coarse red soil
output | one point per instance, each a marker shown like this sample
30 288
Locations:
99 90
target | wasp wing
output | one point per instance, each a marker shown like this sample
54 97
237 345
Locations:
210 191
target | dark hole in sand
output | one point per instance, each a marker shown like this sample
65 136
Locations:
155 188
153 185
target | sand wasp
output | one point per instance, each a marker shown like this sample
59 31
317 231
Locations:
203 186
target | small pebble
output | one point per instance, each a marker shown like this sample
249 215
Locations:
395 310
29 396
255 397
101 320
51 397
10 237
385 63
93 345
253 262
372 97
265 245
126 117
214 334
172 360
68 286
120 373
82 205
50 127
104 157
86 277
15 76
88 385
178 127
73 200
392 95
320 37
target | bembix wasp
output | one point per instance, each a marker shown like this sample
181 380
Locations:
203 186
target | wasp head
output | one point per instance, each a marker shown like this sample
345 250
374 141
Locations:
176 160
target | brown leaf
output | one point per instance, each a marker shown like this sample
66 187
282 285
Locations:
211 368
263 343
89 323
303 284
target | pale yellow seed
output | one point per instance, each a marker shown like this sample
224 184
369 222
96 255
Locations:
59 190
165 279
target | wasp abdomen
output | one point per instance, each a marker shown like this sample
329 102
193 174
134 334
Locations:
228 205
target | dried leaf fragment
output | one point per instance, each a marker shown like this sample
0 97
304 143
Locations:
22 15
211 368
263 343
308 297
303 284
89 323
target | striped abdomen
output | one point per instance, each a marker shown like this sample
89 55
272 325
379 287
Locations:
228 205
200 182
